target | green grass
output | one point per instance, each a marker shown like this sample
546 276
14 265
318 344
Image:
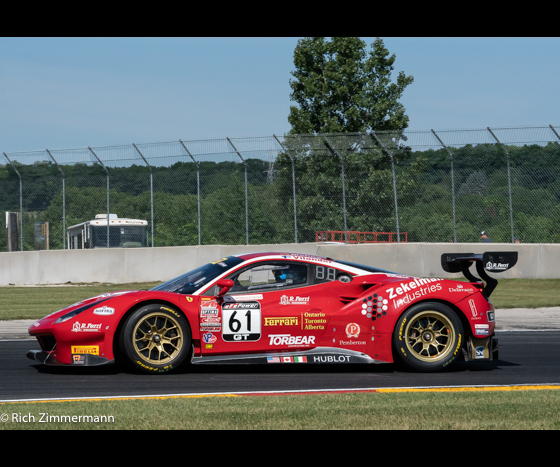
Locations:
526 293
36 302
480 410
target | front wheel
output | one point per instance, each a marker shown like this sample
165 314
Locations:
156 339
428 337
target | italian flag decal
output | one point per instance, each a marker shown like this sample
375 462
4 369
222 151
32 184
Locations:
300 359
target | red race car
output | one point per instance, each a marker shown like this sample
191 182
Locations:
283 308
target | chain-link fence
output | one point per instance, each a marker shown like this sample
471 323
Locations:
429 186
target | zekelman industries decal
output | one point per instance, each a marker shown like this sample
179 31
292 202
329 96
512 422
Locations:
412 290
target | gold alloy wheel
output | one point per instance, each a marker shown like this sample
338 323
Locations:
158 338
430 336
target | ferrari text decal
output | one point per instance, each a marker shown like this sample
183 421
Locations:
281 321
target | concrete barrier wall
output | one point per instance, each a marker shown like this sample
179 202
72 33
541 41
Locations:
122 265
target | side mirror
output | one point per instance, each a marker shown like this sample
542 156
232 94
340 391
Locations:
224 285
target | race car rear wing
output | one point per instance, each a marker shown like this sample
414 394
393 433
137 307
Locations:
491 261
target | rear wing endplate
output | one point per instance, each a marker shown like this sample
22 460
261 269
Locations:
491 261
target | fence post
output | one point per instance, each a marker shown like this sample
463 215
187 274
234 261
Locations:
20 203
394 183
509 182
554 131
246 199
151 190
63 201
293 183
197 185
107 172
331 147
452 186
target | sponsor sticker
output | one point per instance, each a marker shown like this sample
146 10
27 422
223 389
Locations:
313 321
291 300
78 359
496 266
481 329
311 258
104 311
83 349
209 338
461 288
282 321
474 311
289 340
86 327
352 330
240 298
241 322
331 359
404 288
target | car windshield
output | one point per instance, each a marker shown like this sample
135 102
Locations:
191 281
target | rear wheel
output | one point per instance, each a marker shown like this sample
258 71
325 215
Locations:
428 337
156 339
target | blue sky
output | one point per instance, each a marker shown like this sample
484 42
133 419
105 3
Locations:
76 92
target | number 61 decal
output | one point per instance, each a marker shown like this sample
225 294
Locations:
241 322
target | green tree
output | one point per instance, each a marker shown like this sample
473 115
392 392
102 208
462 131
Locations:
340 87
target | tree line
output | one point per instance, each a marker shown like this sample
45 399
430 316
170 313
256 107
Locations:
423 183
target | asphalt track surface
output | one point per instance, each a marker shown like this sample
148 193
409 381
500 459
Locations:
525 358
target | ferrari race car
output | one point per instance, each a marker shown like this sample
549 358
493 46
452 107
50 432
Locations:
275 308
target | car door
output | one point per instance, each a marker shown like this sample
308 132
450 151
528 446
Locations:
273 306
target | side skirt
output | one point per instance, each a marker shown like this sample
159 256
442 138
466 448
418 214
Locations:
314 356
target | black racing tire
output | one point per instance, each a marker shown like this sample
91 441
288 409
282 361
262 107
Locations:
428 337
156 338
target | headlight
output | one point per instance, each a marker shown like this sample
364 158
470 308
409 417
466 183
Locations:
77 311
